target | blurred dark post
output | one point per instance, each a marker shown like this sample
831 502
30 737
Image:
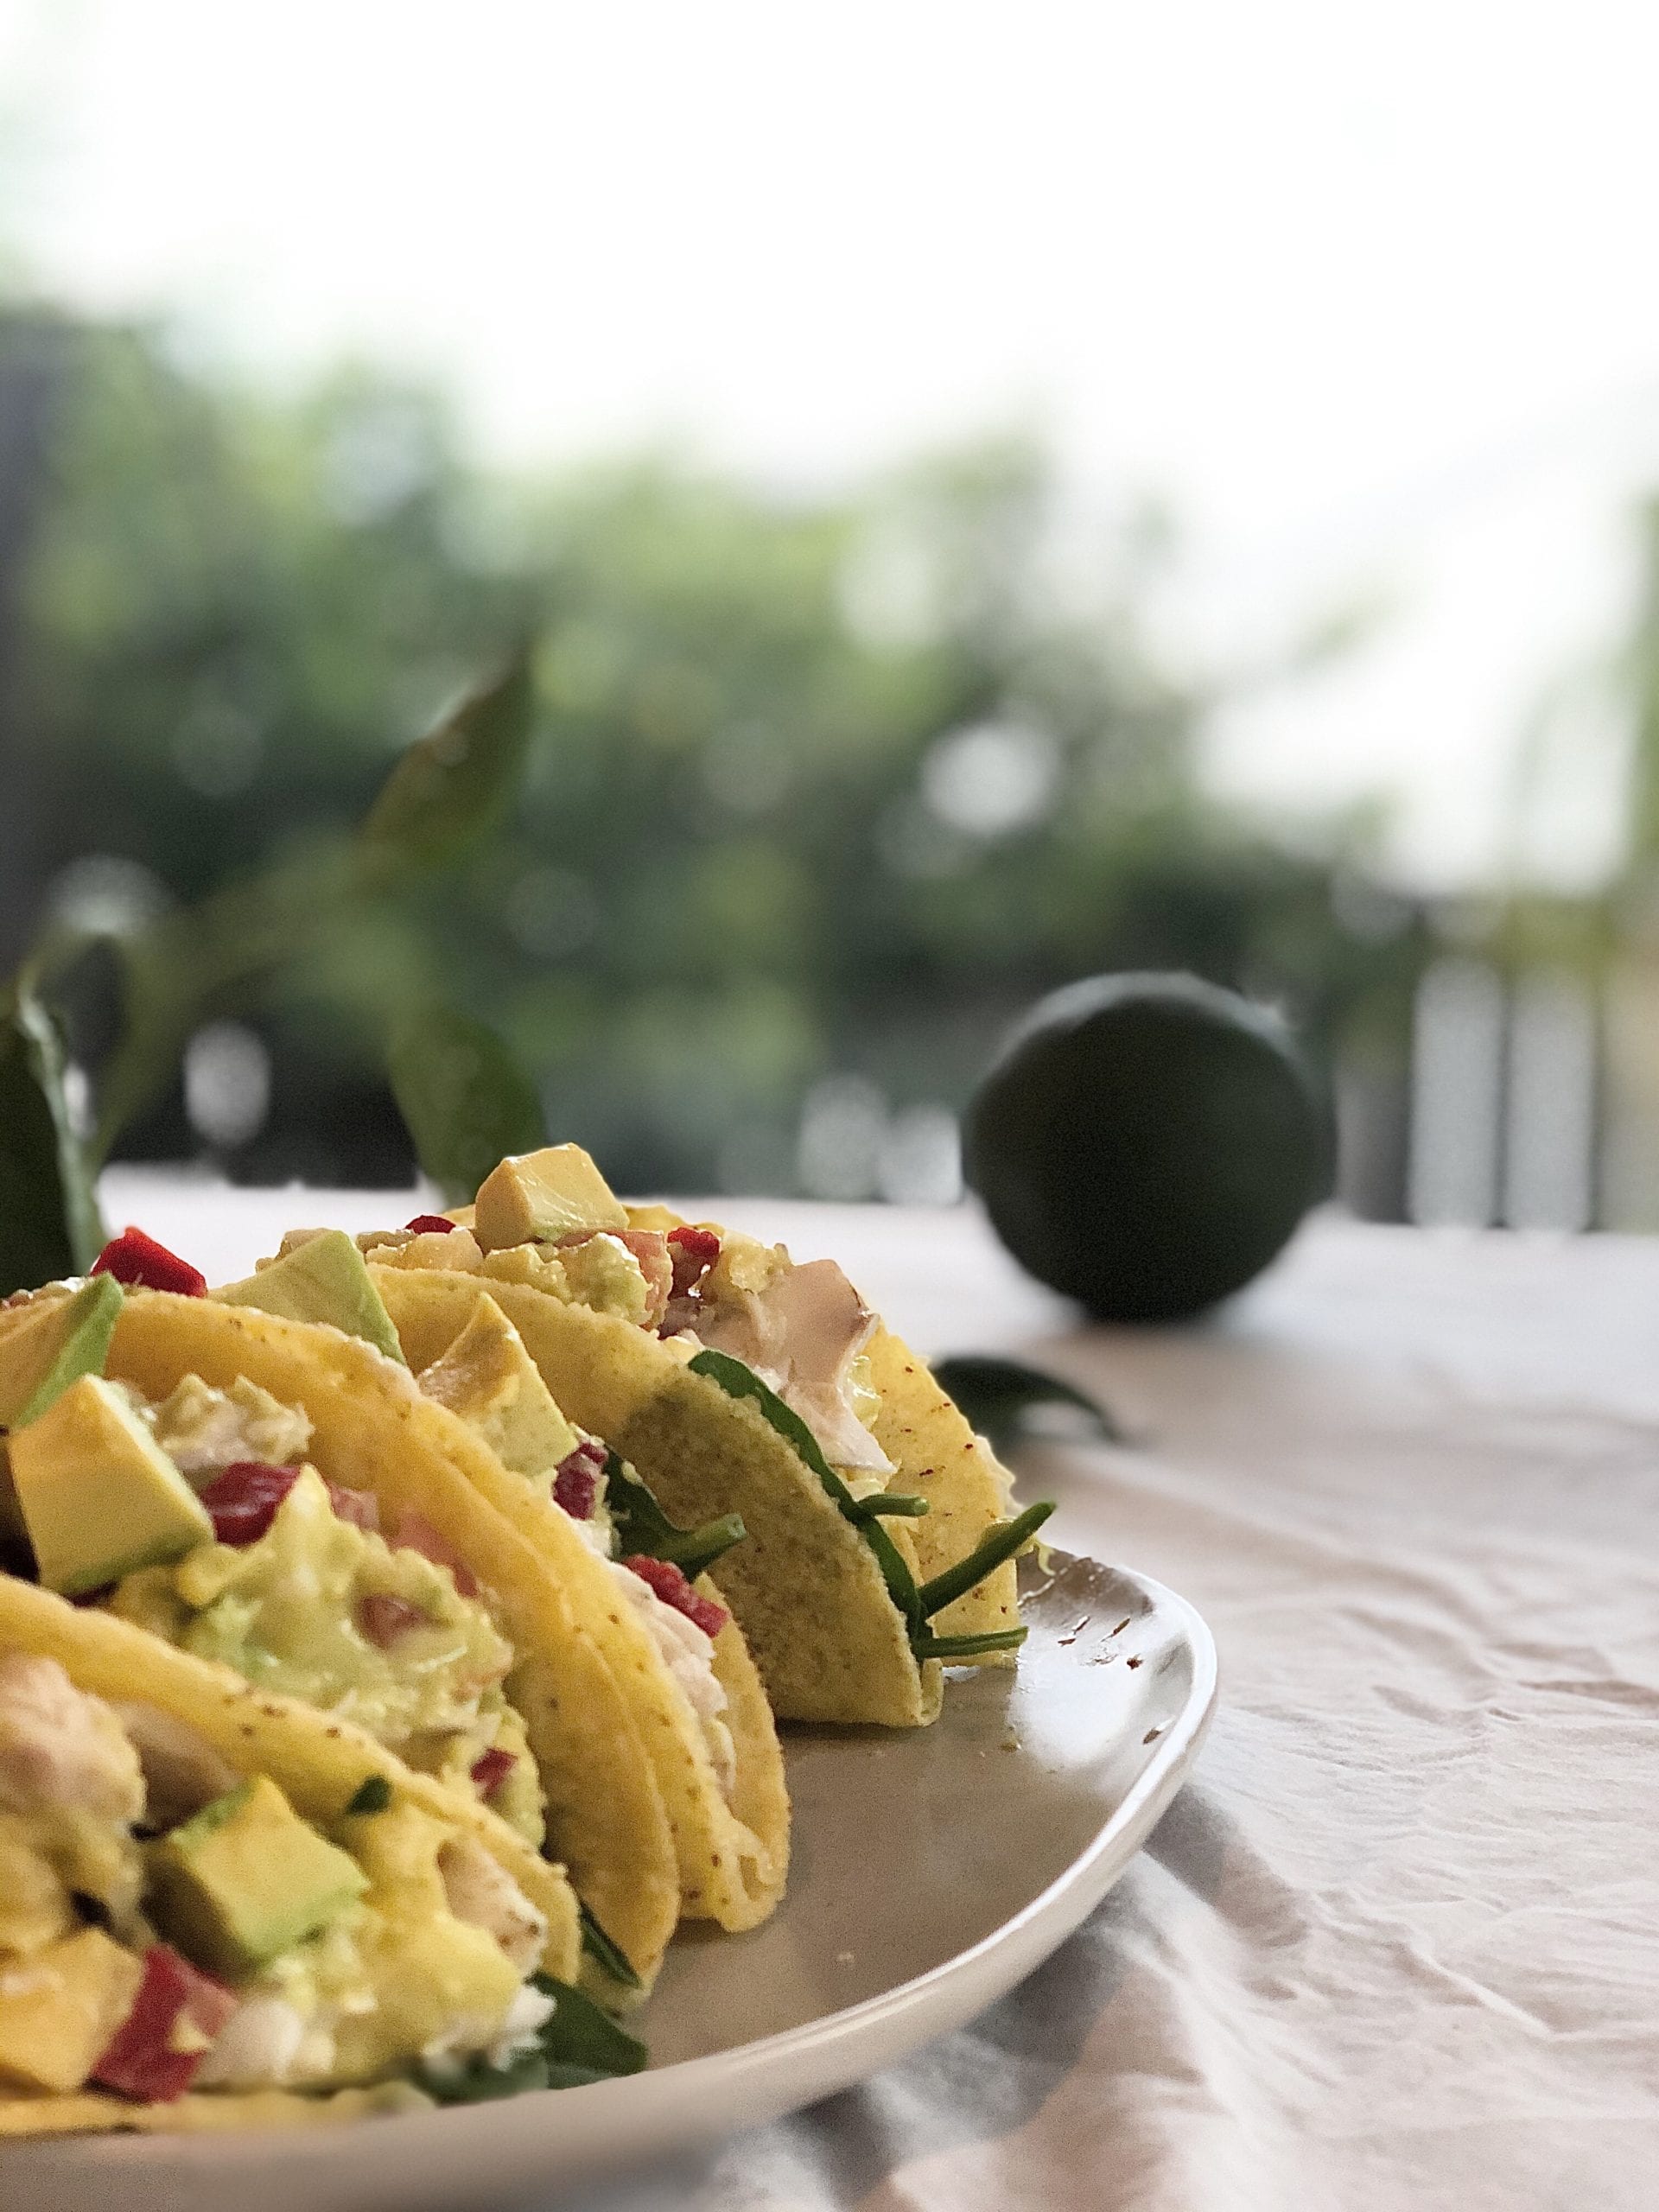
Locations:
35 353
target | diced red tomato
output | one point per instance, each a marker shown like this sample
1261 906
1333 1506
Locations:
416 1534
671 1586
429 1224
576 1486
383 1618
139 1262
490 1772
693 1251
243 1499
360 1507
176 2018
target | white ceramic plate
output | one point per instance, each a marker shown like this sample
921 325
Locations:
932 1872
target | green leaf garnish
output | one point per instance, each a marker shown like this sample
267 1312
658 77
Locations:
580 2044
947 1648
49 1222
642 1526
373 1795
740 1381
453 784
889 1505
605 1951
465 1097
997 1544
581 2041
999 1397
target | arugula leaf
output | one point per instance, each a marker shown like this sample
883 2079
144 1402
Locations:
947 1648
740 1381
580 2044
467 1100
642 1526
451 786
999 1396
605 1951
997 1544
49 1222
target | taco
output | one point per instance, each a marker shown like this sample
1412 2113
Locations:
880 1530
289 1504
222 1908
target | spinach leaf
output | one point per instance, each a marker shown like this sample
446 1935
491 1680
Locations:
465 1099
49 1222
740 1381
642 1526
373 1795
452 786
580 2044
606 1952
999 1397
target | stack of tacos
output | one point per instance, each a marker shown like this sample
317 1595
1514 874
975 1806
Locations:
392 1642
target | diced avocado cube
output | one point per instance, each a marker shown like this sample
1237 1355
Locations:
489 1379
247 1879
98 1496
543 1194
325 1279
60 2008
54 1346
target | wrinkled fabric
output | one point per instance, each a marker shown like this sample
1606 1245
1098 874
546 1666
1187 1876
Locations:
1396 1945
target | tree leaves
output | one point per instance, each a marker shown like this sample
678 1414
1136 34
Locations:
467 1100
1009 1403
449 789
49 1222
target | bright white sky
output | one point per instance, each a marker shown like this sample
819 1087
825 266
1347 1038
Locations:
1365 292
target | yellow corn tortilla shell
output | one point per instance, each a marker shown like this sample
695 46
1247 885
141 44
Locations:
320 1764
926 1435
373 1430
807 1590
732 1859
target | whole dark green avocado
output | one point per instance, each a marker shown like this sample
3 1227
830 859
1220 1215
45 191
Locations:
1147 1143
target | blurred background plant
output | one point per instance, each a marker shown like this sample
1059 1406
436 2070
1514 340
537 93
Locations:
836 763
821 791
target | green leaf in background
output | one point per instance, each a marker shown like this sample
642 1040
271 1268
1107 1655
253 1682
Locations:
49 1222
1000 1397
465 1098
452 786
643 1527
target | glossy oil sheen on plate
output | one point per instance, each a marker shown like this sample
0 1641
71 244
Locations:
933 1869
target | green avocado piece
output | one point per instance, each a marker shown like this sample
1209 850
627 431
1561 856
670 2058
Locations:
49 1350
325 1279
247 1879
97 1495
543 1194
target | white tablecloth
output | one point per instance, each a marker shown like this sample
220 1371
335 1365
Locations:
1397 1945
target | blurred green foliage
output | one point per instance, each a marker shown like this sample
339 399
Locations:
818 785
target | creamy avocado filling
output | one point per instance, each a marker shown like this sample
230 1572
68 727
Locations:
240 1947
322 1609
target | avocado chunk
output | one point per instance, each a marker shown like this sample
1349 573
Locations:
247 1879
489 1379
61 2007
325 1279
98 1496
544 1194
51 1349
